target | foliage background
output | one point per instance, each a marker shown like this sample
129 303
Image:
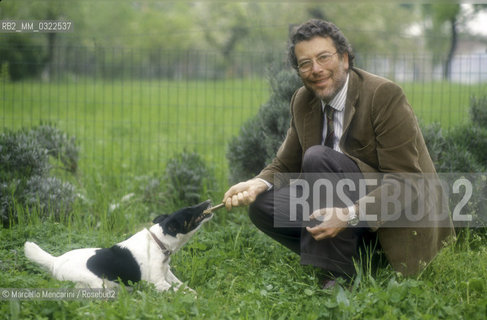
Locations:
231 27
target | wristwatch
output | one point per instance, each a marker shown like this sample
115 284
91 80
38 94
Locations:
352 216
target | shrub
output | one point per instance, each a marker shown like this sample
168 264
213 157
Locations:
23 55
473 139
275 114
58 145
49 194
186 181
25 174
261 136
21 156
246 152
447 155
478 111
463 148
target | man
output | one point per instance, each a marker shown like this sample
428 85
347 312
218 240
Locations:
349 122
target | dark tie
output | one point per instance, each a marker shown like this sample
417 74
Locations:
330 136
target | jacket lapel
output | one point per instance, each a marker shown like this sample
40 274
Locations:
350 103
313 125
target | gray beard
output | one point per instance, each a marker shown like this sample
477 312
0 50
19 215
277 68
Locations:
328 98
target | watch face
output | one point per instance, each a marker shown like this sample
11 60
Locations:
353 221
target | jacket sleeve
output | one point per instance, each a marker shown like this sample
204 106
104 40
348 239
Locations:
398 146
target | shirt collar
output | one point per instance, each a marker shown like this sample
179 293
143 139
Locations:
338 102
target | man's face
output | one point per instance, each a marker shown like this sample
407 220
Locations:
327 79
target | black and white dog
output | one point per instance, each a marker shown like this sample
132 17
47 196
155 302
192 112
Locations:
144 256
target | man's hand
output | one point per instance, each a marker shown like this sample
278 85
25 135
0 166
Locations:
334 221
243 193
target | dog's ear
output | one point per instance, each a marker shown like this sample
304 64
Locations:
160 218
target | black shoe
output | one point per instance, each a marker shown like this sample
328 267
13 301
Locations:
328 284
331 280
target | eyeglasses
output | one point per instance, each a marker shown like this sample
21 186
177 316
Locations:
322 60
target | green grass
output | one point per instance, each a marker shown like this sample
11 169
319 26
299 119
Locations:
238 273
134 126
443 102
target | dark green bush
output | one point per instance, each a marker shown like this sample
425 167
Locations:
186 181
463 148
23 55
473 139
275 114
26 179
478 111
447 153
261 136
49 194
247 152
21 156
58 145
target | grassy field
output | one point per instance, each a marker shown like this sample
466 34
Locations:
135 126
127 130
239 273
443 102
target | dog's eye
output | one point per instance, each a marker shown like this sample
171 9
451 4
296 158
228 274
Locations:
172 228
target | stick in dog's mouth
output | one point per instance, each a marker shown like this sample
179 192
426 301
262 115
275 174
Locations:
202 217
211 209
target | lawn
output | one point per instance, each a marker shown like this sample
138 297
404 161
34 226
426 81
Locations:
443 102
127 131
134 126
239 273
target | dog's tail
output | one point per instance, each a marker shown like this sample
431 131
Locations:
34 253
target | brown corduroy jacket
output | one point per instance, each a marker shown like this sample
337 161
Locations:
381 134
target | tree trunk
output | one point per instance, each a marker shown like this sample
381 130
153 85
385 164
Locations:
49 68
453 47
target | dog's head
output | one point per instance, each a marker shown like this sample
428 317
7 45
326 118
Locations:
179 227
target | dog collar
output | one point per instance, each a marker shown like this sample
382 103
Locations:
160 244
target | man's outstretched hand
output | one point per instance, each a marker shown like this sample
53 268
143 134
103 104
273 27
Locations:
243 193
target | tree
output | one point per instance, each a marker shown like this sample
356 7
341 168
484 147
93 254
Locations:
51 10
224 26
370 28
27 52
443 21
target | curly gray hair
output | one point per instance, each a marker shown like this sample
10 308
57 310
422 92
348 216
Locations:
319 28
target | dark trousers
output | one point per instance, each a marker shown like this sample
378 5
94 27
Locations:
335 255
